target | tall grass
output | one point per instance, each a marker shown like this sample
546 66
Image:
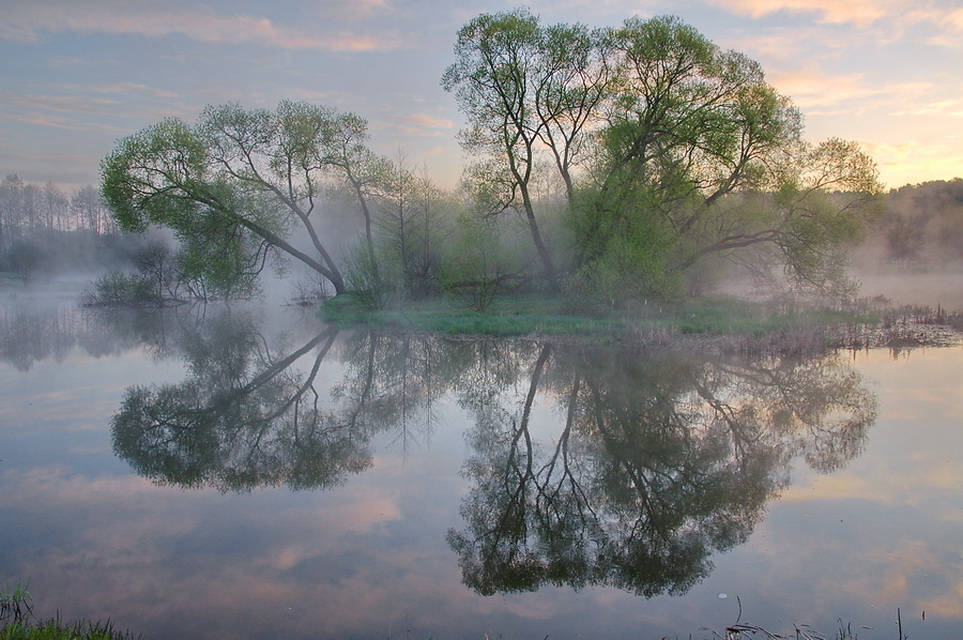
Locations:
15 624
57 629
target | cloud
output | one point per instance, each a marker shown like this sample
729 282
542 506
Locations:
60 103
951 107
47 121
30 23
820 93
122 88
419 125
913 162
437 150
426 121
859 12
810 88
950 26
888 20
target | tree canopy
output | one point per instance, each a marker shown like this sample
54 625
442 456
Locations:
233 186
672 151
638 158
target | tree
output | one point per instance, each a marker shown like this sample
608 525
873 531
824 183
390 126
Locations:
694 156
233 186
357 167
409 225
525 90
90 213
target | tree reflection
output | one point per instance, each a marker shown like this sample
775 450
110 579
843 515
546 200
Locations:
390 383
244 418
253 414
654 462
590 465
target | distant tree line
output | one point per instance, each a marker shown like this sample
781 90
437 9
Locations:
921 226
43 230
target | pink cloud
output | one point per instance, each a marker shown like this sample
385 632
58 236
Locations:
29 23
859 12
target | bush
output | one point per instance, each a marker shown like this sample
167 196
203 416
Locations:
369 279
25 259
116 288
623 274
478 266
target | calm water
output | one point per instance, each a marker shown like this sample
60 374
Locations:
239 473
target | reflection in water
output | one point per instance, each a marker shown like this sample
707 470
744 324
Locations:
30 334
658 460
244 418
652 462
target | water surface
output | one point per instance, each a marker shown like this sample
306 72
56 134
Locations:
249 473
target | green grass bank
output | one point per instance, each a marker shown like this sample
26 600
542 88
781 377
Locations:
537 314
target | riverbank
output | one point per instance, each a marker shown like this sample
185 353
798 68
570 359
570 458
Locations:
723 324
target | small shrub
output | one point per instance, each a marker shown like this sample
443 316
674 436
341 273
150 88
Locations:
116 288
478 266
368 279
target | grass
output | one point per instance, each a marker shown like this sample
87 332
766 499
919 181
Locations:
507 316
57 629
16 610
539 314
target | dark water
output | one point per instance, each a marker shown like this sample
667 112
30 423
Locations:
246 473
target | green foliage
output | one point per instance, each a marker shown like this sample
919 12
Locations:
16 610
371 282
164 277
164 176
15 602
788 326
677 135
623 246
345 310
523 89
116 288
478 263
236 184
57 629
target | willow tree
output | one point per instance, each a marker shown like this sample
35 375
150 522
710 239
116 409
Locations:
702 158
235 186
673 152
527 91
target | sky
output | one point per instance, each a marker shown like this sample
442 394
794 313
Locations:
79 75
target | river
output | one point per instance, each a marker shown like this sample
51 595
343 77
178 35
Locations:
246 472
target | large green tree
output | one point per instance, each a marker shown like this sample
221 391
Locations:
673 152
527 91
235 185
